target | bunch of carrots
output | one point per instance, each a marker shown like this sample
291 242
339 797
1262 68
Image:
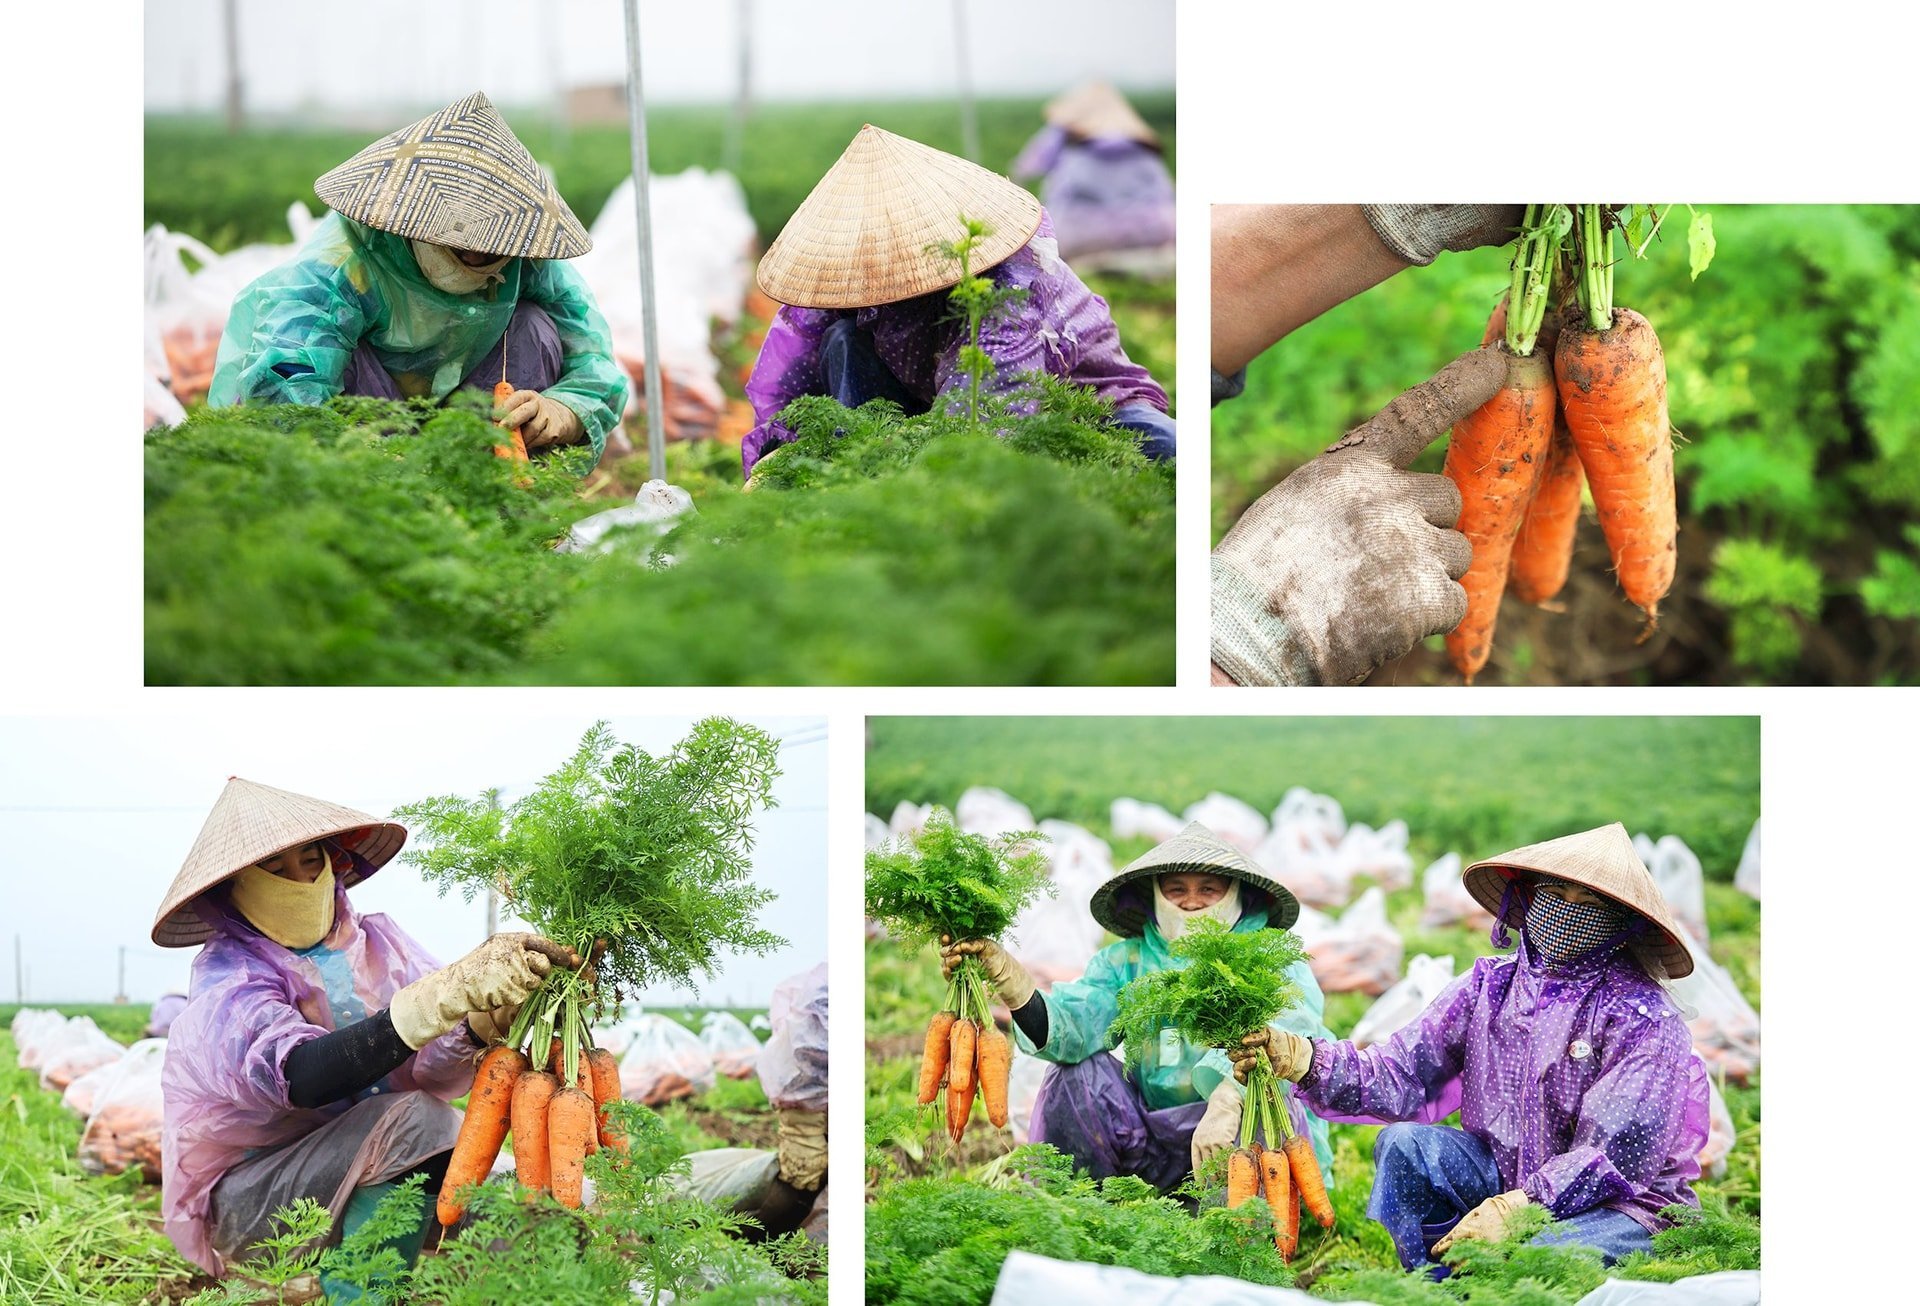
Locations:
1287 1176
555 1109
1585 401
967 1051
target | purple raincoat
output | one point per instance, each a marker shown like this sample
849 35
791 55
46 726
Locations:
1580 1078
1060 327
253 1002
1105 194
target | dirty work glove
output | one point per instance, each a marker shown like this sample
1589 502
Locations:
504 971
1419 232
490 1027
803 1148
1352 560
1487 1221
541 421
1290 1055
1219 1128
1009 978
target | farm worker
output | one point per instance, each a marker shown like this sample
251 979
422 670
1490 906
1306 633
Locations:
1166 1121
445 248
793 1074
1570 1065
1103 181
1352 559
319 1047
865 311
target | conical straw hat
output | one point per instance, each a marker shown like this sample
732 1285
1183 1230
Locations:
1603 860
865 233
1195 848
460 178
1095 111
251 821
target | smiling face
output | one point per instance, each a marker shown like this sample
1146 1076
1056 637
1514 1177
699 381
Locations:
1193 891
302 864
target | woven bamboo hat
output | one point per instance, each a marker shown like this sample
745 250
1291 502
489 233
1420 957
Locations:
863 235
1195 848
251 821
1095 111
1603 860
459 178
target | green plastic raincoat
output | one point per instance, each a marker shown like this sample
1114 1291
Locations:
291 332
1080 1013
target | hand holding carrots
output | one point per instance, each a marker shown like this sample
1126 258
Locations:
1009 978
1290 1055
541 421
1219 1128
1352 559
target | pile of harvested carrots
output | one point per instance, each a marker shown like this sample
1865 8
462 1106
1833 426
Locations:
966 1051
1288 1176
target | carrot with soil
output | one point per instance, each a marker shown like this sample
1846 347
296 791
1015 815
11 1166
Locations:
933 1058
483 1129
532 1095
995 1070
570 1126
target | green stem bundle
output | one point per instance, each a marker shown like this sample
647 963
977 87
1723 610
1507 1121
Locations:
1594 252
1535 255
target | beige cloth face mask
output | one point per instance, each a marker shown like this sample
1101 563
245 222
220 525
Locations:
292 914
1173 922
443 268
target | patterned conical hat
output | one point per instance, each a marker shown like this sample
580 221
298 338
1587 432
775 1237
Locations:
1195 848
1095 111
251 821
459 178
863 236
1603 860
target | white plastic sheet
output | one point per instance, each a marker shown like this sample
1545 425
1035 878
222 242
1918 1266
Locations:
1725 1288
793 1064
653 512
1027 1279
729 1176
1397 1007
1130 819
1725 1027
1447 899
735 1051
877 832
1676 873
665 1061
1231 819
1747 878
124 1129
991 812
1360 952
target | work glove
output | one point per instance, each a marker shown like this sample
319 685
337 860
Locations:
1009 978
490 1027
502 972
1290 1055
1420 232
1487 1221
1219 1128
541 421
1352 560
803 1148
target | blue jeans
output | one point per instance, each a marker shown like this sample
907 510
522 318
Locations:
1426 1177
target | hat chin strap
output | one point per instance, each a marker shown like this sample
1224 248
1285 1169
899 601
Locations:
1173 922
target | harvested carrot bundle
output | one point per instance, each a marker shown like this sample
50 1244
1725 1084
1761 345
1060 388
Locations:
483 1128
570 1127
1243 1176
961 1069
1307 1178
532 1095
606 1088
933 1058
994 1070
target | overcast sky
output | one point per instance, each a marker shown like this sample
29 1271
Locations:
96 816
360 54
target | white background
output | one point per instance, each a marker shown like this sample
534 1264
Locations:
1278 102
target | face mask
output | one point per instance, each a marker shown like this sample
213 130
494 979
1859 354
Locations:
1173 922
444 270
292 914
1560 932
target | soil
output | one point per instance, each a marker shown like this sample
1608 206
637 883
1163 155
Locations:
758 1129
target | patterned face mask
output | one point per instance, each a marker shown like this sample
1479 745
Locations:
1560 931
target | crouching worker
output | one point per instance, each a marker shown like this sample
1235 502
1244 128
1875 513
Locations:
319 1048
443 252
866 316
1166 1121
1574 1074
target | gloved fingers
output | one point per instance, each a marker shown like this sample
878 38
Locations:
1260 1038
1418 417
544 954
1434 497
518 408
1456 555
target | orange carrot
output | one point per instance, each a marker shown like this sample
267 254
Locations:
1289 1225
1278 1190
532 1095
606 1088
1543 550
1243 1177
1306 1178
960 1077
482 1130
933 1058
569 1131
1494 457
503 391
994 1069
1613 386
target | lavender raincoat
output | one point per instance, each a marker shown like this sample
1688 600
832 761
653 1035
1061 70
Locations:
1109 193
252 1002
1059 327
1581 1079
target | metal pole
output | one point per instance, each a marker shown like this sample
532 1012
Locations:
637 130
232 26
120 994
743 99
557 130
969 125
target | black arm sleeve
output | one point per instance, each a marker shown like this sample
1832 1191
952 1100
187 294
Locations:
335 1065
1032 1020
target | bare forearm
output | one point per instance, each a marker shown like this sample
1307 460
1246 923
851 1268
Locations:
1276 266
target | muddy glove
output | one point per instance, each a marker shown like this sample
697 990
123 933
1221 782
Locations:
1009 978
1419 232
803 1148
502 972
1219 1128
1352 560
1290 1055
490 1027
541 421
1486 1222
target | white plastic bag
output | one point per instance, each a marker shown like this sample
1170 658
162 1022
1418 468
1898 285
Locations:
1676 873
1305 857
1722 1288
1381 854
124 1129
652 513
729 1177
736 1052
793 1064
1026 1279
1720 1133
1358 953
1230 819
32 1029
1056 935
71 1053
990 812
877 832
1747 878
1725 1027
666 1060
1447 899
1130 819
1301 806
909 818
1399 1005
85 1090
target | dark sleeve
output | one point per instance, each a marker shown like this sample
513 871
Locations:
1032 1020
1229 387
339 1064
